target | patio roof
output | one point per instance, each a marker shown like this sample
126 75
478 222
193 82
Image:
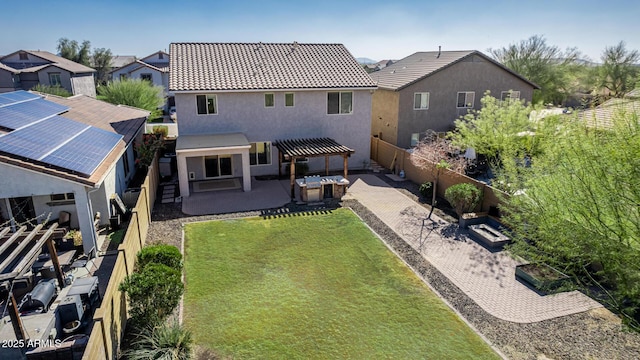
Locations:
211 141
301 148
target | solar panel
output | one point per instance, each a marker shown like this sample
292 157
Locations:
85 152
16 96
36 141
17 115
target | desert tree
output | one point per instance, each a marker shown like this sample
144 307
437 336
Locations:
577 208
619 71
546 65
102 63
72 50
437 154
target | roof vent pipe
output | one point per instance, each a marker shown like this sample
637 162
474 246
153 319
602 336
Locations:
439 51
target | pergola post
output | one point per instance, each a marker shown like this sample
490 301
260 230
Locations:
292 176
346 165
326 165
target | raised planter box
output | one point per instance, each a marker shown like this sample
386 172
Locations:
542 277
488 236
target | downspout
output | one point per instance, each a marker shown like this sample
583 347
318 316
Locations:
91 216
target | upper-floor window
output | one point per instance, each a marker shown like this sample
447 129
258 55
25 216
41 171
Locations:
269 100
466 99
340 102
160 56
206 104
146 77
509 95
54 79
288 99
421 101
23 55
260 153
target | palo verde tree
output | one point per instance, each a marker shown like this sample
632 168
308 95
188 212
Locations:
577 208
619 71
553 69
436 154
134 92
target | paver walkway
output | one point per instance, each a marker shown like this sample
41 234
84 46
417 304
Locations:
487 278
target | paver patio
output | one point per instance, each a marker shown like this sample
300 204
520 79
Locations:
486 277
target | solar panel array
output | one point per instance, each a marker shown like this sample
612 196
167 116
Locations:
40 134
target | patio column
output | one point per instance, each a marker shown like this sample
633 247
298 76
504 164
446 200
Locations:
246 171
346 165
183 175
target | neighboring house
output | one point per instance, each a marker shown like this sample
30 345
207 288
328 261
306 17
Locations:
65 154
430 90
24 69
378 66
234 101
153 68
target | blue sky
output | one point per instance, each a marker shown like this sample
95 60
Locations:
375 29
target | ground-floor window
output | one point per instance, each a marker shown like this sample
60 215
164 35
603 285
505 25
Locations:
217 166
260 153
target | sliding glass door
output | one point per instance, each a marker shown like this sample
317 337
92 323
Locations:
217 166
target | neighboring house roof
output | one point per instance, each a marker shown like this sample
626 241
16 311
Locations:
55 60
158 66
257 66
603 115
119 61
8 68
121 120
154 54
421 65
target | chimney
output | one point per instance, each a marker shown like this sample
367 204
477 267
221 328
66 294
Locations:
439 51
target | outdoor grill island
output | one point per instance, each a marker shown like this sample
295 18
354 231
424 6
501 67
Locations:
317 188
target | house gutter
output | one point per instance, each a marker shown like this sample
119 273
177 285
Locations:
374 87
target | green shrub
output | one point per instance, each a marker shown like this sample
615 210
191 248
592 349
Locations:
159 254
154 292
463 197
426 189
165 341
53 90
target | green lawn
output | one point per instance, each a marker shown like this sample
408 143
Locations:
318 286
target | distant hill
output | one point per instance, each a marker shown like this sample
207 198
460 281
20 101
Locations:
366 61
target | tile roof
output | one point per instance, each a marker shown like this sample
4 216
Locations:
123 120
255 66
420 65
54 60
120 119
604 115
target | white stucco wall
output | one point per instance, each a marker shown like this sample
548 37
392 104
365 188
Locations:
245 112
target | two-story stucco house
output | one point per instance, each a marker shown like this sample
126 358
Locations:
64 154
24 69
234 101
430 90
153 68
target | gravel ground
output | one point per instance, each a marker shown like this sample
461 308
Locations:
596 334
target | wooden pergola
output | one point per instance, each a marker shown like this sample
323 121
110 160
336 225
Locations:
296 149
18 252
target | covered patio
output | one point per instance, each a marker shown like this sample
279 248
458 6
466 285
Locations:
206 157
297 149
